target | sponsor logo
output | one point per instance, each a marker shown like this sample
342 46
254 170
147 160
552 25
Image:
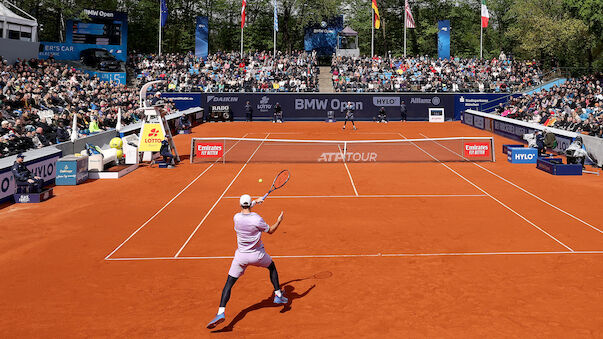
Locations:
386 101
102 14
153 133
264 105
213 98
210 150
477 149
425 101
24 198
524 156
326 104
350 156
445 29
323 24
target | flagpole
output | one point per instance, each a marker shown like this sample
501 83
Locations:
373 33
481 33
274 53
242 42
160 15
405 14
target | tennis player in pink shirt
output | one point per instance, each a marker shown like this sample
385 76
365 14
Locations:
249 227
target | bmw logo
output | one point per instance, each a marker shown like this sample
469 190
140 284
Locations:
435 100
323 24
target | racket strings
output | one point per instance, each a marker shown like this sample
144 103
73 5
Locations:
281 179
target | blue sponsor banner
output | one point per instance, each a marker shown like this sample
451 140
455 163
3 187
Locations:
118 77
202 37
521 155
444 39
322 37
183 101
313 106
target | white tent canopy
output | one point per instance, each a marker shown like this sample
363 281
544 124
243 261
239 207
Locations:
15 26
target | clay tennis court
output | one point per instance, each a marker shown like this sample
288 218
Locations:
383 249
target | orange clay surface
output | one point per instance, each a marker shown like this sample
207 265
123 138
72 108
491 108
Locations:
464 254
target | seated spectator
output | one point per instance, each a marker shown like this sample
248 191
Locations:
381 116
23 176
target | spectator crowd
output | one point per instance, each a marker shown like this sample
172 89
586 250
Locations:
228 72
576 105
425 74
38 99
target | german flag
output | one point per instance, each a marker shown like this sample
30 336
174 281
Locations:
377 17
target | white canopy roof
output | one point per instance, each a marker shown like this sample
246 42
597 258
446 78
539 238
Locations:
13 18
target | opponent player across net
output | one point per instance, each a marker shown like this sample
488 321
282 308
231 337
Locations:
250 248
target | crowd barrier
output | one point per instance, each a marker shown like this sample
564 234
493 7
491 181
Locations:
315 106
515 129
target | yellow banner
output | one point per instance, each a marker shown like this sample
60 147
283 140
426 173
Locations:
151 137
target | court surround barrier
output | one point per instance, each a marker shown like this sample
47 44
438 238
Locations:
515 129
316 106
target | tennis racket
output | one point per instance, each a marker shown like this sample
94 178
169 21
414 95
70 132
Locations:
279 181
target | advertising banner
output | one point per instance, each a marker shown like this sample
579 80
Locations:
202 37
209 150
118 77
151 137
444 39
316 106
483 102
521 155
322 37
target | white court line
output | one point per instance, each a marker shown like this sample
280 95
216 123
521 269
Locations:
220 198
370 196
169 202
311 256
347 169
522 189
498 201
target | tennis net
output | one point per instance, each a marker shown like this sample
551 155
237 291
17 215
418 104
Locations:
224 149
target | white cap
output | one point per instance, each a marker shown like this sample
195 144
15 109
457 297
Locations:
245 200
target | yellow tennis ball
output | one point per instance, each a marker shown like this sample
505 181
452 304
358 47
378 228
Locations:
260 180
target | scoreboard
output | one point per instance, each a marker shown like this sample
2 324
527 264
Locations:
97 33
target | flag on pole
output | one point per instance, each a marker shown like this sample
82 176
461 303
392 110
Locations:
164 13
485 14
275 17
410 21
243 13
377 17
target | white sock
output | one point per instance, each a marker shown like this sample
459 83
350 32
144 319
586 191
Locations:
278 293
221 310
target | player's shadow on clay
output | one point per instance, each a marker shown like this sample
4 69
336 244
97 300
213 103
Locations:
267 303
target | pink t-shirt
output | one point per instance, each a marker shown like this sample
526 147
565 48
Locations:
249 228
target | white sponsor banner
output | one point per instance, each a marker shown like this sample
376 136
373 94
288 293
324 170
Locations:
45 169
594 148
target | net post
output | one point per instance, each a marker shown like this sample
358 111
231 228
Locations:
493 149
224 151
192 149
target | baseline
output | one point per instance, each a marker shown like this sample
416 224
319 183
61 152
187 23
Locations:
309 256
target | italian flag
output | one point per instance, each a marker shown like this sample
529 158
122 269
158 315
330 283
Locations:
485 15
